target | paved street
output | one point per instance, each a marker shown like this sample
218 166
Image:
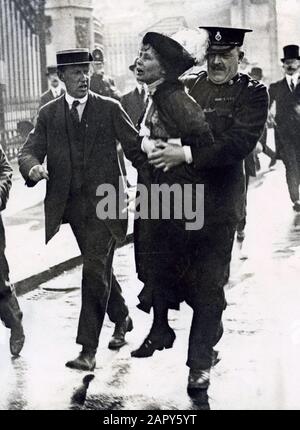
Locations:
260 348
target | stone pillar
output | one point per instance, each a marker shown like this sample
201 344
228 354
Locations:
71 26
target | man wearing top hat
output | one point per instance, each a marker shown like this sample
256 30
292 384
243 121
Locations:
78 133
134 102
286 94
236 109
55 88
100 83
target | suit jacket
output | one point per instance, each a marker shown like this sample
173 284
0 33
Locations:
287 103
287 116
47 97
134 104
107 123
237 112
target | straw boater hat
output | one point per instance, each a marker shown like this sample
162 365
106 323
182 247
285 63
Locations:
73 56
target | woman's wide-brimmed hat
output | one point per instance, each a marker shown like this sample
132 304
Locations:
73 56
171 52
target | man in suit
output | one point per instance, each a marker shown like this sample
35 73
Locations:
236 109
100 83
134 102
256 73
78 134
10 312
55 88
286 94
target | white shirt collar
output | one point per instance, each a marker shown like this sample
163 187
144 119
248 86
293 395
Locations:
56 91
140 87
293 78
70 99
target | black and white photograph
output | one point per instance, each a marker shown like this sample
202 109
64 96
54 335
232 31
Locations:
149 207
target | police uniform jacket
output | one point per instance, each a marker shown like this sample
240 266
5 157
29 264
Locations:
236 112
107 122
104 85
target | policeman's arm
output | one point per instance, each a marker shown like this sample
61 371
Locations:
128 136
5 179
34 149
192 128
234 144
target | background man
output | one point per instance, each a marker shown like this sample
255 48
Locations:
78 135
256 73
134 102
236 109
10 312
286 94
55 87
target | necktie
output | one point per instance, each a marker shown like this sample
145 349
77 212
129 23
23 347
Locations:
143 95
74 112
292 85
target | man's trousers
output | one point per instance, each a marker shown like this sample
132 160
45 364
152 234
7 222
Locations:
100 292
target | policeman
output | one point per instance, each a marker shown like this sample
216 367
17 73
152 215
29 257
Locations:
99 83
236 108
10 312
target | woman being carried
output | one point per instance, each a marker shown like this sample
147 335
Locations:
172 126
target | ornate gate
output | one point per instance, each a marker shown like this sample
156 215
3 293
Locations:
22 66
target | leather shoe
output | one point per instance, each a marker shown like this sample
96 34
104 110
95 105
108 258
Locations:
16 341
85 361
118 337
198 380
151 344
